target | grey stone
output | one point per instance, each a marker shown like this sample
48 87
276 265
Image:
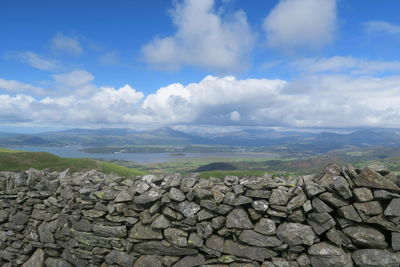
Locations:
215 242
383 194
195 240
333 200
119 257
320 222
144 232
372 179
297 201
191 261
71 257
218 222
20 218
279 197
45 233
123 197
238 219
313 189
319 206
176 194
258 193
56 262
259 240
36 260
363 194
204 229
341 186
147 261
176 236
81 225
161 222
147 197
93 213
394 208
366 209
159 248
395 241
326 255
260 205
295 234
231 180
189 209
265 226
254 253
375 258
208 204
366 236
350 213
110 231
205 215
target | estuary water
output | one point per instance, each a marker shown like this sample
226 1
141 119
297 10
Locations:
143 158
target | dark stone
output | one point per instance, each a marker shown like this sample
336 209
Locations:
319 206
366 236
159 248
20 218
265 226
238 219
372 179
144 232
341 186
215 242
395 241
147 197
259 240
295 234
375 258
176 237
110 231
326 255
333 200
36 260
119 257
147 261
394 208
320 222
254 253
191 261
56 262
363 194
350 213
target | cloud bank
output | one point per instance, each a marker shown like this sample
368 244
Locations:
316 100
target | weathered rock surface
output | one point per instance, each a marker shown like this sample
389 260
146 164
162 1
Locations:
341 217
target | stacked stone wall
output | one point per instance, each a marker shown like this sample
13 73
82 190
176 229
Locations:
340 217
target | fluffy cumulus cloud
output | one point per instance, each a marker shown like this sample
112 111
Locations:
203 38
12 86
316 100
66 44
294 24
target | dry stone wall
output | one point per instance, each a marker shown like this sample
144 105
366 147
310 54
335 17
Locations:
341 217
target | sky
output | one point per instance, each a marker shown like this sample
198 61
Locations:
199 63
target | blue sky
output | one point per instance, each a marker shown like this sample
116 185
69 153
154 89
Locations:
286 63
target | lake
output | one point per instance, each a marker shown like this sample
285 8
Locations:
74 152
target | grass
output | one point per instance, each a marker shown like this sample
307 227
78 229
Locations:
11 160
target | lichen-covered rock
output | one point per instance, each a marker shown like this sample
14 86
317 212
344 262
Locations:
326 255
295 234
366 236
238 219
375 258
372 179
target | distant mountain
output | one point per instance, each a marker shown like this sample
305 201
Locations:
292 141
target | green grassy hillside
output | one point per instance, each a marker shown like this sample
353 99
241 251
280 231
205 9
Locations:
12 160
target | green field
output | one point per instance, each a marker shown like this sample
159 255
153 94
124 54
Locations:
11 160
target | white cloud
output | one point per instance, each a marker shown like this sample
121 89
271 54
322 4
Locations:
340 64
19 87
315 100
76 78
203 39
67 44
35 60
382 27
294 24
